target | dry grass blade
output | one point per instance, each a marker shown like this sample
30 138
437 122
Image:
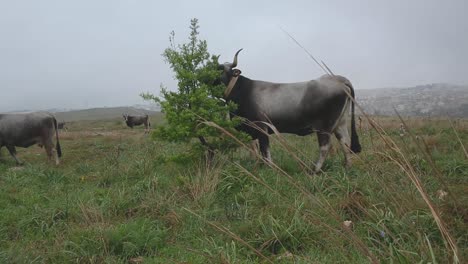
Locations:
327 68
304 49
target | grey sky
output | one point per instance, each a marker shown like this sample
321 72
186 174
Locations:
87 53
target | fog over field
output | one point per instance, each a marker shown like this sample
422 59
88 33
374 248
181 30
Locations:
82 54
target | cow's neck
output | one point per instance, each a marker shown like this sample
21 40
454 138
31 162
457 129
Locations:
238 91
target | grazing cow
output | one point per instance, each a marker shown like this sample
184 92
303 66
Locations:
137 120
26 129
302 108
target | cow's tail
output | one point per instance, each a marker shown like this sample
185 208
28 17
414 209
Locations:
59 150
355 145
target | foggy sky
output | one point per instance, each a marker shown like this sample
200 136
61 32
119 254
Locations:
77 54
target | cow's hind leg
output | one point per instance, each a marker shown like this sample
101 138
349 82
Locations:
342 135
264 143
324 144
12 151
50 151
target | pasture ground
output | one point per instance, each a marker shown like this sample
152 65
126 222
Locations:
119 197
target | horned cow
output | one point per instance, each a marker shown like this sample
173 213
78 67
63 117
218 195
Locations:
302 108
27 129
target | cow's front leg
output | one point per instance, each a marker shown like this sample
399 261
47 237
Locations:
12 151
324 144
264 143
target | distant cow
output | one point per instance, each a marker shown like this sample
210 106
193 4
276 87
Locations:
61 125
26 129
137 120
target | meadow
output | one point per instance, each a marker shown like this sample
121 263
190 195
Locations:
119 196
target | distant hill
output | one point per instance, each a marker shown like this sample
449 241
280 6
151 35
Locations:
434 100
424 100
101 113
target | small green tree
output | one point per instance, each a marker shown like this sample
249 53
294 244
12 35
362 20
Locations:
197 99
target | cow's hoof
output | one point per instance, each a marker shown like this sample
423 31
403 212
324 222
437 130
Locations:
268 163
313 172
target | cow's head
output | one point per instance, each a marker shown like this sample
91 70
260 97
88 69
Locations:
125 116
229 72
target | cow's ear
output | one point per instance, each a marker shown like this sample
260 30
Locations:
236 72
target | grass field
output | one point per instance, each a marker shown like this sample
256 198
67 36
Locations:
118 197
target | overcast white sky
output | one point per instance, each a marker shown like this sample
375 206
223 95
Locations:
88 53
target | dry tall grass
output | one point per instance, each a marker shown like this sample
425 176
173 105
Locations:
389 150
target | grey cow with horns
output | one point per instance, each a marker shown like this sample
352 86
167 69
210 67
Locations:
301 108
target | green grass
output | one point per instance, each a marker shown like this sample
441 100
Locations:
118 198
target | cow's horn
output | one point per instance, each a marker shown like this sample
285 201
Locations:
234 63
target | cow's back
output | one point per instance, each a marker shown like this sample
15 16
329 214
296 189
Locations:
25 129
303 107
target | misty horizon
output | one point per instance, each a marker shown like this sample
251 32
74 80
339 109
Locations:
93 54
